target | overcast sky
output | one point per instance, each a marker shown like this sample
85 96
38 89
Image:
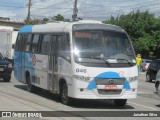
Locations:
87 9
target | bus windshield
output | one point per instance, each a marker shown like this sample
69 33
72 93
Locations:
99 46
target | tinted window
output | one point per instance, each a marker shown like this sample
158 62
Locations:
152 63
64 47
28 43
157 65
35 43
147 61
23 40
18 43
45 44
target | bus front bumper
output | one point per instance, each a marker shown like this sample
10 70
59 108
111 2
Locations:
93 94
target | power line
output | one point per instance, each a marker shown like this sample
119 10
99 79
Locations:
29 10
49 8
52 5
86 9
8 6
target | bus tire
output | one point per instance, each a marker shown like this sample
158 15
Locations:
64 95
120 102
30 87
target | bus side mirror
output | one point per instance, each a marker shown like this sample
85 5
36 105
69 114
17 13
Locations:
13 46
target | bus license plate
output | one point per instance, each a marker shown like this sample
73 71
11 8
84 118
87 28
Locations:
1 69
110 87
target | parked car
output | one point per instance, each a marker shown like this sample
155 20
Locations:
157 83
145 64
152 70
5 69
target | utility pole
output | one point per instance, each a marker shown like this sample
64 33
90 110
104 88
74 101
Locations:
75 10
29 10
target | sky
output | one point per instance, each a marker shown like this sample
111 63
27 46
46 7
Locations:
87 9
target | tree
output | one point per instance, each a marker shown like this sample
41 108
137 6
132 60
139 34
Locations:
32 22
44 20
58 17
142 27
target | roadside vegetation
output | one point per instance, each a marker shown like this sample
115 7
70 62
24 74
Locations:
143 29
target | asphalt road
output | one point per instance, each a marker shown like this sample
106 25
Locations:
14 97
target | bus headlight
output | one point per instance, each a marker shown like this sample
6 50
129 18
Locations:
82 78
132 79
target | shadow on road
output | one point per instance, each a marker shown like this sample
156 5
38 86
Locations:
78 103
2 81
153 81
40 92
98 104
158 105
22 87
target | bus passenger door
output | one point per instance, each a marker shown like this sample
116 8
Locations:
22 60
53 64
19 55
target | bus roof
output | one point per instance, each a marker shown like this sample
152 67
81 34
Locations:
66 26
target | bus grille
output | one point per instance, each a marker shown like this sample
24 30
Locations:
109 81
109 92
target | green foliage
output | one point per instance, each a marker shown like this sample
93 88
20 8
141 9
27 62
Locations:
32 22
45 19
58 18
142 27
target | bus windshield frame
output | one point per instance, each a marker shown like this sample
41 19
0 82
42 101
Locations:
99 46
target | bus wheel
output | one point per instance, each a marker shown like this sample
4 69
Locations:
120 102
64 94
30 87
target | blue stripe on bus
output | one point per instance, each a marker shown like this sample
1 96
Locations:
27 28
92 85
23 63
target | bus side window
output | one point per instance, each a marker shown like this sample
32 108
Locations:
23 40
44 49
35 41
18 42
64 47
28 43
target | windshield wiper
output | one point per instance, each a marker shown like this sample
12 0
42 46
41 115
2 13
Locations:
101 59
98 58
